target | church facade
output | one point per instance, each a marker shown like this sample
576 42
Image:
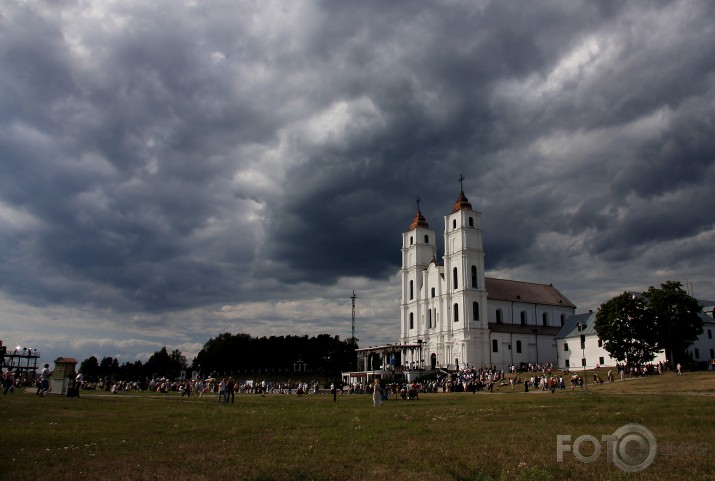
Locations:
460 317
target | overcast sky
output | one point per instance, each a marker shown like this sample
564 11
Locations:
170 171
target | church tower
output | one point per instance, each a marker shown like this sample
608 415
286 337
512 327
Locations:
444 304
466 294
418 251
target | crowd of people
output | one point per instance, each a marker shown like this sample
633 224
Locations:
12 380
533 376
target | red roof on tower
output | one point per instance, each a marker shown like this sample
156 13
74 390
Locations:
419 221
461 203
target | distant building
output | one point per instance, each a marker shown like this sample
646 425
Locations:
459 316
578 344
703 350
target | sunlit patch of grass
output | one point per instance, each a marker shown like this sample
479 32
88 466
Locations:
456 436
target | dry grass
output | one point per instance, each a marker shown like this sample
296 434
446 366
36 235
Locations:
506 435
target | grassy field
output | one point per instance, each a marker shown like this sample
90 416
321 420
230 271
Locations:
507 434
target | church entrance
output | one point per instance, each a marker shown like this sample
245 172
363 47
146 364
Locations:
433 361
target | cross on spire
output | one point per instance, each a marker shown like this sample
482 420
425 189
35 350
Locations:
418 203
461 186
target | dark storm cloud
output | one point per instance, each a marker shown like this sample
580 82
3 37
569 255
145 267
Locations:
431 77
160 157
121 163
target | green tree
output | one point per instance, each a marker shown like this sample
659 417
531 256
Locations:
626 327
163 364
229 353
90 369
108 367
677 319
178 359
131 371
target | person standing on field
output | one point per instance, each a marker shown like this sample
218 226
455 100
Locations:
376 394
222 391
44 381
230 390
78 383
9 382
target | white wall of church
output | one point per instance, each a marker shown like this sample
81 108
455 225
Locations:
508 349
537 315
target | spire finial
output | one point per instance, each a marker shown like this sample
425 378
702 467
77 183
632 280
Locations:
418 220
462 201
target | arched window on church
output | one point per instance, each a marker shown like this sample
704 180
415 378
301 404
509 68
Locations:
523 318
412 290
454 224
412 240
499 316
433 292
455 279
474 277
412 321
545 319
456 312
475 311
563 319
495 345
426 239
471 222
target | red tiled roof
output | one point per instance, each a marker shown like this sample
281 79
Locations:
528 292
419 221
461 203
69 360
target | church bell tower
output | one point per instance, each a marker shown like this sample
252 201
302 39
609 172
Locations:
418 250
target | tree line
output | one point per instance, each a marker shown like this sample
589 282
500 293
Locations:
161 364
237 355
634 327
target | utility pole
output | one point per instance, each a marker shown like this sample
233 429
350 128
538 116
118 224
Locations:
353 297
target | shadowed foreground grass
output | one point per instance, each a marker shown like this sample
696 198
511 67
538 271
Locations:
506 435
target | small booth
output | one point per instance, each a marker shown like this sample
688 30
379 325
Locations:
400 362
64 368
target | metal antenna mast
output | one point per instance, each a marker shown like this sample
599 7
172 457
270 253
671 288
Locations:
353 297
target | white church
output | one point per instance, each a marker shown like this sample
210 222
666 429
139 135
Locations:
459 317
452 316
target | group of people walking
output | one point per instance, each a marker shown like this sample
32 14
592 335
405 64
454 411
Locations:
227 390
